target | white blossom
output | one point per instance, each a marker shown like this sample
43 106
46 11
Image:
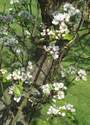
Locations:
55 22
9 77
3 71
60 95
72 70
67 6
63 74
67 17
30 65
63 28
17 99
10 9
60 110
18 51
10 90
54 100
53 110
81 74
47 32
16 75
70 107
71 10
43 33
53 50
27 33
23 74
58 86
58 17
46 89
63 114
55 56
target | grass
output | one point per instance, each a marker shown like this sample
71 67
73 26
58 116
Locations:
78 94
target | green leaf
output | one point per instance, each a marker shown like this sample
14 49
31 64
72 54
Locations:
20 86
17 91
68 37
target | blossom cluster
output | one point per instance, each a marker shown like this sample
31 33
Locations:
11 91
52 50
74 72
46 89
62 21
51 33
22 75
58 94
71 10
61 110
68 11
81 75
57 88
67 19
